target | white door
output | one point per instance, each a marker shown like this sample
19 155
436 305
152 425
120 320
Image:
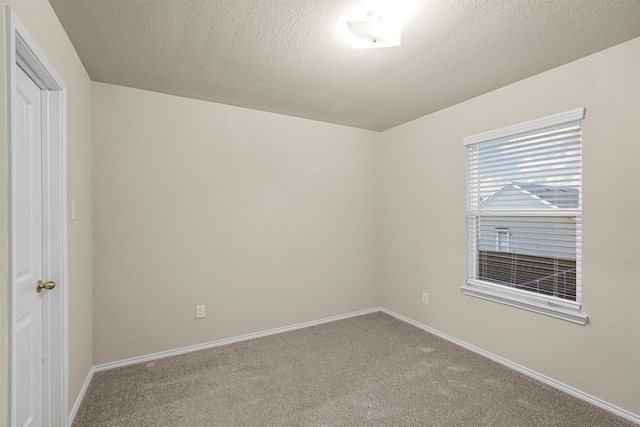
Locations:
29 254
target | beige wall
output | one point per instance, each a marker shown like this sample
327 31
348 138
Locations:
272 220
268 220
423 226
40 20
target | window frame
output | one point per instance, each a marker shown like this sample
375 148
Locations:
563 309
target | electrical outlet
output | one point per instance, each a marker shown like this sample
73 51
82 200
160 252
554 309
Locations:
425 298
199 311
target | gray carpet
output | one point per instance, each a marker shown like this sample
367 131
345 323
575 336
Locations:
370 370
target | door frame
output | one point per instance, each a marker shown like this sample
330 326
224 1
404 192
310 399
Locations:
21 48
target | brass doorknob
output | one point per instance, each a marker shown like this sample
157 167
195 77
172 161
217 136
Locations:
46 285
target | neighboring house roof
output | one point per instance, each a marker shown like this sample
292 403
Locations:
549 196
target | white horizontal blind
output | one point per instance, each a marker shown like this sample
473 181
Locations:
524 209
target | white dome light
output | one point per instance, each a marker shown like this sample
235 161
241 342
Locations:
381 29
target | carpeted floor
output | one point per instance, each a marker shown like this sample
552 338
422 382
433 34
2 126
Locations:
370 370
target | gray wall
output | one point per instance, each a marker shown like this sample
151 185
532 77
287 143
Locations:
423 226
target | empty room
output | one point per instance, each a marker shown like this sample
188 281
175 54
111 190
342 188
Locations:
320 213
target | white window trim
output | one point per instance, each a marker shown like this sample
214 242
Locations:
551 306
529 126
544 304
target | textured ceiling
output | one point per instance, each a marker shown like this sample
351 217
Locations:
291 56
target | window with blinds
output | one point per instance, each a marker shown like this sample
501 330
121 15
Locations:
524 215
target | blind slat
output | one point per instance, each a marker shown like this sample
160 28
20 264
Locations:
524 215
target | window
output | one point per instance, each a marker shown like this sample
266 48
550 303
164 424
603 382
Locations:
524 215
502 239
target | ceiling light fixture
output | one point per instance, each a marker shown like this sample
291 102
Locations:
381 29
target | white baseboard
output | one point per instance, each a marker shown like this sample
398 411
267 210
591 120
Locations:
83 390
533 374
178 351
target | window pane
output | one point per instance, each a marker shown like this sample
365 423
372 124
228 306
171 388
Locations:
524 211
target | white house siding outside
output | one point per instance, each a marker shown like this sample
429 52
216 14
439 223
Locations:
529 236
535 253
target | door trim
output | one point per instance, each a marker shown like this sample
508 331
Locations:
21 48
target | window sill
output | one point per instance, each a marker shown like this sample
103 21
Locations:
565 310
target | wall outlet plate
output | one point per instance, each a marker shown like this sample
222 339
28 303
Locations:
425 298
200 313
